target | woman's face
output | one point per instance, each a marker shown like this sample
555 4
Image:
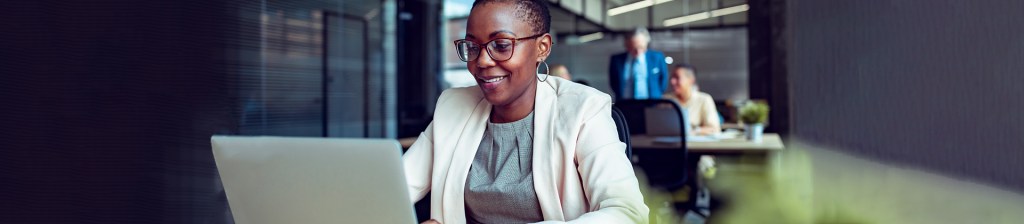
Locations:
504 82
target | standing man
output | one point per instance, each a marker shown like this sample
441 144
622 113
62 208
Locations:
638 73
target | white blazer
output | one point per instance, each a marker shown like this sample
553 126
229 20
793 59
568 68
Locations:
580 170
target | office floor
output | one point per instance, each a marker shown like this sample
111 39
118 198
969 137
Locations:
808 184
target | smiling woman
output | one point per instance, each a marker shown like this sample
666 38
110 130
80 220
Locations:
519 147
501 31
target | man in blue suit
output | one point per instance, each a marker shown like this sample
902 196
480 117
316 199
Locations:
638 73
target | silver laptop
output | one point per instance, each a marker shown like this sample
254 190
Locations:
313 180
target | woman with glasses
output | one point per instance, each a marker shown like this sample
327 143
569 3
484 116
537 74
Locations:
520 147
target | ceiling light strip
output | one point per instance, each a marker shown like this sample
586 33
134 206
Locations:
730 10
706 15
634 6
591 37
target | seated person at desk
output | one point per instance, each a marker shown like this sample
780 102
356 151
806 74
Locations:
520 147
562 71
699 105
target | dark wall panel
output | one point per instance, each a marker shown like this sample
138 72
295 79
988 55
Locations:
768 69
419 62
107 109
929 84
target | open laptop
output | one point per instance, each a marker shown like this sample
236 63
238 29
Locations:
664 121
313 180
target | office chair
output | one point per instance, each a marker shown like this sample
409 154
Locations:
623 129
422 209
666 169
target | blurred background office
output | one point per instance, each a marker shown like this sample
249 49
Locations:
108 106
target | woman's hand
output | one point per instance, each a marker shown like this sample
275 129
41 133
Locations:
432 221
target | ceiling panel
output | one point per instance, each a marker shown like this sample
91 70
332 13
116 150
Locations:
670 9
574 6
594 10
735 19
628 20
564 14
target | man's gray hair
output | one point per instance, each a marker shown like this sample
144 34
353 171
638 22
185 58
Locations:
642 32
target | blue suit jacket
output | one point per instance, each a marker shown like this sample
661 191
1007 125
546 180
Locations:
657 74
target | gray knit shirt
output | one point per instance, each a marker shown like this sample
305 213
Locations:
499 188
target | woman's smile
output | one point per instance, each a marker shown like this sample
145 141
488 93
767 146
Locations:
490 79
491 83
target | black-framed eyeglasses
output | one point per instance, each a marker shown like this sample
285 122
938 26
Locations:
500 49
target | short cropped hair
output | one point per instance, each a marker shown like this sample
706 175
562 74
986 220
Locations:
690 67
534 12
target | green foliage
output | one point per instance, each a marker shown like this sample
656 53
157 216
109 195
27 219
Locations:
754 113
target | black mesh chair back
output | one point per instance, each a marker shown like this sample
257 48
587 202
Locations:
664 168
623 129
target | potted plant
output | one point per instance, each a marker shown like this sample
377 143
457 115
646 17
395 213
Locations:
754 116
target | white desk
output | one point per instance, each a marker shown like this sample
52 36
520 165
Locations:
770 142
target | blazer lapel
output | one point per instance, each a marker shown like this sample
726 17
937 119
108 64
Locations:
544 160
465 150
627 64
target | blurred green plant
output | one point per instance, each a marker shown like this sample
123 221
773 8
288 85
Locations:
754 113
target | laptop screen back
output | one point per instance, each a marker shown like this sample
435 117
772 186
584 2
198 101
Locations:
313 180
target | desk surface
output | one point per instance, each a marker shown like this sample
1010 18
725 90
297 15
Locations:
770 142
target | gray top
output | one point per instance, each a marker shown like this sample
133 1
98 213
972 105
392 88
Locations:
499 188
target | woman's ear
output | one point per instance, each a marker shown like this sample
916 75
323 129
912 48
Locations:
544 47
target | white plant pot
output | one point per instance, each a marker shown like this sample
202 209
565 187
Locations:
754 132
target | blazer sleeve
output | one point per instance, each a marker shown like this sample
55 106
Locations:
611 187
418 163
665 74
613 77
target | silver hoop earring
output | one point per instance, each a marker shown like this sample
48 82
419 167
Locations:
546 69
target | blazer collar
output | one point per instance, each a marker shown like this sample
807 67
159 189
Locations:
462 159
545 163
644 58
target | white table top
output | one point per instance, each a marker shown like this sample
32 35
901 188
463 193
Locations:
770 142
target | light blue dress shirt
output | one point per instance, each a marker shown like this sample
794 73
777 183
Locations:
636 73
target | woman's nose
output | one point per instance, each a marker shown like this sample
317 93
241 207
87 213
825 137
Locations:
484 59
